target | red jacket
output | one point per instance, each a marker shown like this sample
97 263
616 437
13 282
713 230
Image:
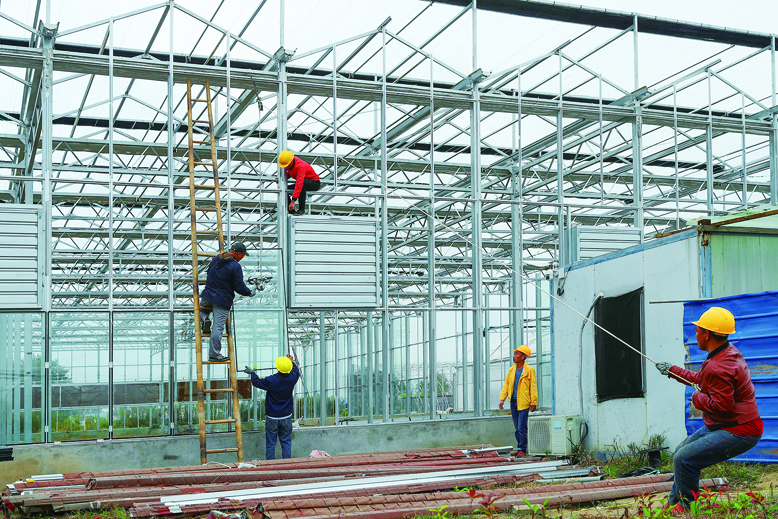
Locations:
726 393
300 170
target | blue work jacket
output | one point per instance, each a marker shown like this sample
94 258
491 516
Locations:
225 277
280 388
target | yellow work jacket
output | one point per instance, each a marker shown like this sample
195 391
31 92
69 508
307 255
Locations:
528 387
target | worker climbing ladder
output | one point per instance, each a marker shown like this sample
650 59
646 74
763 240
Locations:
207 205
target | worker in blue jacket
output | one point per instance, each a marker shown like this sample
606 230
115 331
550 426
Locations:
279 405
225 277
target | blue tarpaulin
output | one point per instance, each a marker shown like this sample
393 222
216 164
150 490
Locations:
756 336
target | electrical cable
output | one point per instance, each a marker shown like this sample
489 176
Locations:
580 350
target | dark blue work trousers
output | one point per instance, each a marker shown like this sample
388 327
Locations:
281 429
520 419
703 449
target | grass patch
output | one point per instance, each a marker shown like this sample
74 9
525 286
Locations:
107 513
626 458
740 475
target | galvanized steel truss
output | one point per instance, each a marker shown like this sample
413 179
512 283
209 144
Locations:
487 171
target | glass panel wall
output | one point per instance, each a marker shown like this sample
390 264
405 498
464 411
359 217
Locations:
79 392
448 368
22 375
185 401
259 336
141 374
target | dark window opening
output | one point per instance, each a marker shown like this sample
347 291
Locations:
619 369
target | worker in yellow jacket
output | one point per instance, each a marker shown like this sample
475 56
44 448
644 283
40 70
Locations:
522 392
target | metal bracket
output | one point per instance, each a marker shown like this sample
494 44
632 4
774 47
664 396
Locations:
282 56
48 30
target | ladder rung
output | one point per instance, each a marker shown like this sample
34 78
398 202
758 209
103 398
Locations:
208 335
200 100
208 254
200 142
217 451
213 361
200 121
214 233
212 209
225 420
204 186
226 390
203 163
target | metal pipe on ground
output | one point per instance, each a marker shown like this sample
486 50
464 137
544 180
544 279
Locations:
365 483
333 461
354 507
233 477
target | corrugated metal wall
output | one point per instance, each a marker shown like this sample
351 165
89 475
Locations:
20 249
333 262
756 318
743 263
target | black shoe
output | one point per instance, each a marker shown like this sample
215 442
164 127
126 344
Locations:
219 358
206 327
299 212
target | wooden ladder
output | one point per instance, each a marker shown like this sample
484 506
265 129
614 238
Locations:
208 205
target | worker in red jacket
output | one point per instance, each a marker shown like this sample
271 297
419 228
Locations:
726 398
305 177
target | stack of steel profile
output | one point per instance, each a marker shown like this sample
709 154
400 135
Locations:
363 484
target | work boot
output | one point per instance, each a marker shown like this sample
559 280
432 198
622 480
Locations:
206 327
299 212
674 509
677 509
218 358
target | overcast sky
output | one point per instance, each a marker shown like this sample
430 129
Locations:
750 15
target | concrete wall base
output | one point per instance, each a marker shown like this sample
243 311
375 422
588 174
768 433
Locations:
127 454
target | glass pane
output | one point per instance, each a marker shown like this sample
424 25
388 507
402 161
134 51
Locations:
418 406
352 368
79 375
397 362
21 378
448 366
258 340
141 368
217 405
498 342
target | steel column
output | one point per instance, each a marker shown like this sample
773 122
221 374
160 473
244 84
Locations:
477 255
322 371
370 368
384 237
431 388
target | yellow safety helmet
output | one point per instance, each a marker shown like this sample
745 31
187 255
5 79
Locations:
285 158
717 320
283 364
525 350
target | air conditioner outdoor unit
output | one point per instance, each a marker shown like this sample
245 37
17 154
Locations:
553 434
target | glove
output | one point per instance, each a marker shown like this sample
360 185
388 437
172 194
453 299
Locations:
292 204
247 370
664 367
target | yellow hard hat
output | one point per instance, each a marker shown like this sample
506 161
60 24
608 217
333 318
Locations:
285 158
283 364
718 320
525 350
